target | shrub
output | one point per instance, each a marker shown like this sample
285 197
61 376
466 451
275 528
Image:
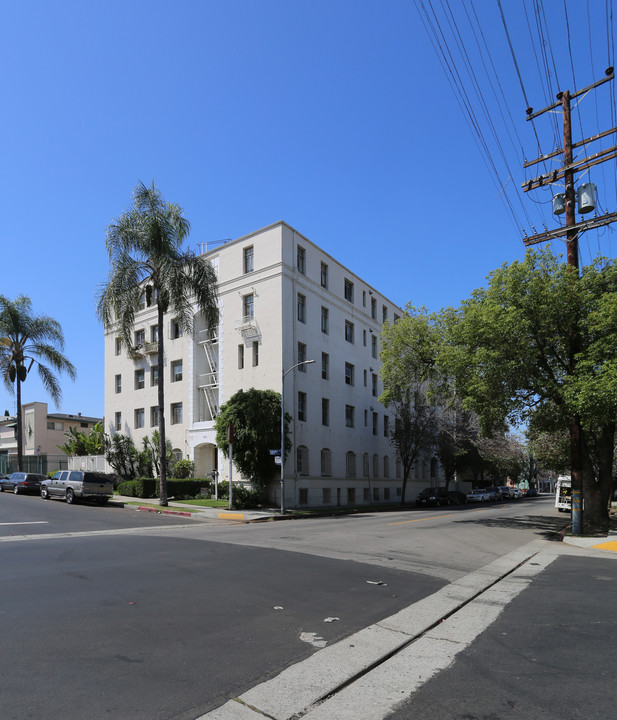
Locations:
184 469
127 488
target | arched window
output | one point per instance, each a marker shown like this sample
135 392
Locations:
351 464
326 463
375 465
302 460
365 465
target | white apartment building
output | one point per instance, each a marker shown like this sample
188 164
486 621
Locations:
282 300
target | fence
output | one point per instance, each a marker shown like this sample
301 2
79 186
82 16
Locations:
41 464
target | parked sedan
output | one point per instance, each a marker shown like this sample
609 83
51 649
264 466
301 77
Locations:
22 482
457 497
478 495
433 496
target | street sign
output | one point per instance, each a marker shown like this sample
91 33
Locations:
277 459
275 452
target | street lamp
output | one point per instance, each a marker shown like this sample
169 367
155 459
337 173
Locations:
285 373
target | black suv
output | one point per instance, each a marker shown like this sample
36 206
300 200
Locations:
433 496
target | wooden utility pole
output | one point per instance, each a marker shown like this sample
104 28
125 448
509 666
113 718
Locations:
572 231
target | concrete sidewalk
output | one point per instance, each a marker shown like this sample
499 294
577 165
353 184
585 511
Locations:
197 512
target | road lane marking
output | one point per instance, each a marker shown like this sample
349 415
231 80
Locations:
433 517
29 522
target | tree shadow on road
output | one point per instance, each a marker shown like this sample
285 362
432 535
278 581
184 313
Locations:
547 527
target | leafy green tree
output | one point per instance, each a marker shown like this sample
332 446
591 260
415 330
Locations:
256 419
146 256
27 339
79 442
408 353
512 352
122 455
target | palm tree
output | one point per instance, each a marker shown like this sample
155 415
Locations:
26 339
146 255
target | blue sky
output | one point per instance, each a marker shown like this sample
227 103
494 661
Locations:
337 117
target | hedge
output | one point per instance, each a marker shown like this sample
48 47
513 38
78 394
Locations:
180 489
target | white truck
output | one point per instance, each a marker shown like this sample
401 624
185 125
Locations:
563 493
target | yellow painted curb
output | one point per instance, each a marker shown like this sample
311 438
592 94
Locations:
231 516
610 545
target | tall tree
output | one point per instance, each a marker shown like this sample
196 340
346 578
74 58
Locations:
408 354
509 347
256 419
146 254
27 339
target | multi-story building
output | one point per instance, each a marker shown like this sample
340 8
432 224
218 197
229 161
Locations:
42 433
283 300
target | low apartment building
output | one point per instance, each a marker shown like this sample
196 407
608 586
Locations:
282 300
43 432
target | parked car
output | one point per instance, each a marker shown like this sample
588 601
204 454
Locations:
433 496
494 493
73 484
517 493
532 492
22 482
457 497
478 495
507 493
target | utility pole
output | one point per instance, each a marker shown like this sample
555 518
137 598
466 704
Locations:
571 232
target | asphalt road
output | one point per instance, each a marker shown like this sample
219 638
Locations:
550 656
167 619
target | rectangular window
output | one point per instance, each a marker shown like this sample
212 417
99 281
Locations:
302 492
301 356
301 260
386 492
364 338
365 495
375 422
154 416
325 496
139 418
325 366
375 493
154 375
364 298
248 307
175 330
140 379
348 331
365 378
396 319
154 333
374 384
374 308
384 313
324 320
349 374
51 425
349 416
386 426
142 301
118 384
118 422
324 275
348 290
325 412
255 353
248 259
301 308
176 370
140 337
302 406
176 413
351 496
240 357
366 418
374 346
118 346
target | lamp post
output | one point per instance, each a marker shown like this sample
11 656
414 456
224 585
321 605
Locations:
284 375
